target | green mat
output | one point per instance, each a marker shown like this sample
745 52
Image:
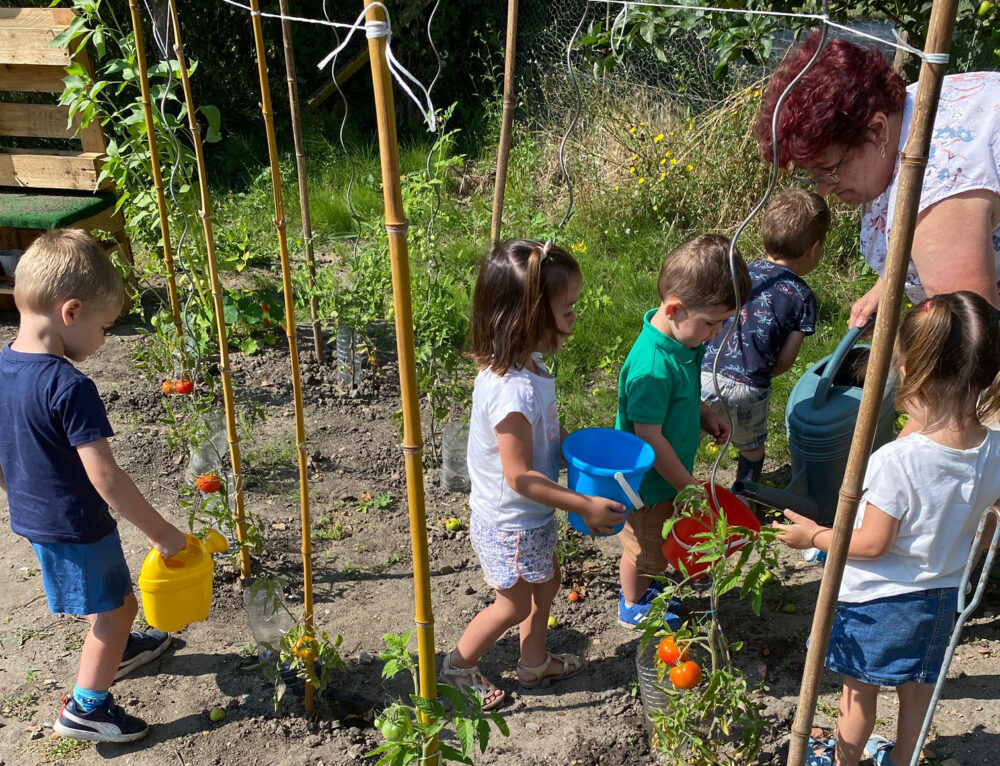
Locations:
20 209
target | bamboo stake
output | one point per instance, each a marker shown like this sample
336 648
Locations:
232 434
506 124
413 448
154 154
300 167
911 176
293 348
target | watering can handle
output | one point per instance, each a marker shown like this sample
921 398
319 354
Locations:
629 492
836 359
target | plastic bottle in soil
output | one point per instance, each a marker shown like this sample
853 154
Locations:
269 619
348 358
650 691
207 456
454 446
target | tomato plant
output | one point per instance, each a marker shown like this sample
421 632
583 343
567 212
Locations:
687 675
668 652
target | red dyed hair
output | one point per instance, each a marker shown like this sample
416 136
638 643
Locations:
832 104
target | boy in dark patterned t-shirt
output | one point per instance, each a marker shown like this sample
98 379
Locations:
771 325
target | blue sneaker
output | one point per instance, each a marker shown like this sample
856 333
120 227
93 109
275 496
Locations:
878 748
631 616
105 723
142 647
820 753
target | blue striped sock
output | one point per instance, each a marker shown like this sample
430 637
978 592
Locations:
88 699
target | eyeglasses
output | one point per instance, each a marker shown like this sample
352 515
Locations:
831 178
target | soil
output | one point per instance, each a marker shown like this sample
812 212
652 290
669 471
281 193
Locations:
364 589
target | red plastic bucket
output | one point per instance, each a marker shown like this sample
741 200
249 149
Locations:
677 546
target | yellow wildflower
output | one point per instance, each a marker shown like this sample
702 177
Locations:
673 161
631 169
663 175
579 247
635 157
655 207
642 180
689 168
756 94
617 187
632 129
658 138
669 154
663 161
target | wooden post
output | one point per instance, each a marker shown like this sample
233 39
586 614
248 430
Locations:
911 178
154 154
413 448
293 348
232 434
507 123
300 168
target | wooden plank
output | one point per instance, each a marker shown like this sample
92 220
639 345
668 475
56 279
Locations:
36 121
31 46
33 169
36 17
32 78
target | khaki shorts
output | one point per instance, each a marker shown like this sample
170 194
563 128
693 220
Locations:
642 537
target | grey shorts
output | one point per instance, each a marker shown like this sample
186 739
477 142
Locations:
748 408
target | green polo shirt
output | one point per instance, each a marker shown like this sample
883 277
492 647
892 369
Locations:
660 383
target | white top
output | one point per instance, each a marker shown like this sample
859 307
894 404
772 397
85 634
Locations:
493 399
964 156
938 494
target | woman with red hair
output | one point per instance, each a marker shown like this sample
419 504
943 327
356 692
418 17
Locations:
846 122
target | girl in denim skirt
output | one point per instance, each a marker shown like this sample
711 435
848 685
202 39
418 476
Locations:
923 496
522 307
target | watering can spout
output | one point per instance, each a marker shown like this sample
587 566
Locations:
777 498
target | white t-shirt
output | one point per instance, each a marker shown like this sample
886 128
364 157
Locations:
493 399
938 494
964 156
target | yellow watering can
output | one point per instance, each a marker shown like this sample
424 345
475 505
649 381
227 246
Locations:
178 591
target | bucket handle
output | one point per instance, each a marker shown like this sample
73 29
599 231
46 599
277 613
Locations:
629 492
836 359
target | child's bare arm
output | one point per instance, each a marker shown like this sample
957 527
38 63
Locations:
516 452
666 463
788 353
871 540
120 492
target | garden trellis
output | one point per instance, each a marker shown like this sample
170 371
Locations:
383 69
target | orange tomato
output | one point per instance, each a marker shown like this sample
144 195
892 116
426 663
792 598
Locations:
168 387
669 653
306 648
573 596
208 483
687 675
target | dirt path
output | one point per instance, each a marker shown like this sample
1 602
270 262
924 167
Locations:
363 589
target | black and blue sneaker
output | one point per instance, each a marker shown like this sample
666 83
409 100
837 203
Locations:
142 647
105 723
631 616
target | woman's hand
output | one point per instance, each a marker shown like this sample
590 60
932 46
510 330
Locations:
601 515
866 305
800 533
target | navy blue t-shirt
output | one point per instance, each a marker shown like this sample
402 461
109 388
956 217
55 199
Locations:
780 303
47 409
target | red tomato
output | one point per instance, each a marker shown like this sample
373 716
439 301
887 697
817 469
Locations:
208 483
167 387
183 386
686 675
669 653
264 307
573 596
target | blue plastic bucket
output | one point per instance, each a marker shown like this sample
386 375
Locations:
594 456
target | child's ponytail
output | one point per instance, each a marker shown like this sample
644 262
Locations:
949 350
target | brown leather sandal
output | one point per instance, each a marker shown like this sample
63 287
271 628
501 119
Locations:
571 665
472 678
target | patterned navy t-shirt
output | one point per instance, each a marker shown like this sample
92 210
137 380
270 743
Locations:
780 303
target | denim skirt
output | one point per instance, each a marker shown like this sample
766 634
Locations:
894 640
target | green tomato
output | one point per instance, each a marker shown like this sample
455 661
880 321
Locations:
217 714
789 608
392 730
766 578
452 524
985 7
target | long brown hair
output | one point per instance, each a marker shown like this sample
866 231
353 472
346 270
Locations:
512 302
950 349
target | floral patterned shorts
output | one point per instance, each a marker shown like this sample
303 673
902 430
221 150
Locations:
509 554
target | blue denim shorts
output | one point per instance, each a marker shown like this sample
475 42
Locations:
894 640
84 578
748 407
507 555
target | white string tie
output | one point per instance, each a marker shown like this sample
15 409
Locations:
376 30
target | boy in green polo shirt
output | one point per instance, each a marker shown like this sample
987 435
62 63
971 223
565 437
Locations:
659 400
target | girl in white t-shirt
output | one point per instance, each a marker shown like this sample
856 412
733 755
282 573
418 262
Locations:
923 497
522 307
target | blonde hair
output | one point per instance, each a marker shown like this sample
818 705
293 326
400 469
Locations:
949 347
794 221
697 273
62 264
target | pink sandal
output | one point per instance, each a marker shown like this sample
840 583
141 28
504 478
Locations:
472 678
